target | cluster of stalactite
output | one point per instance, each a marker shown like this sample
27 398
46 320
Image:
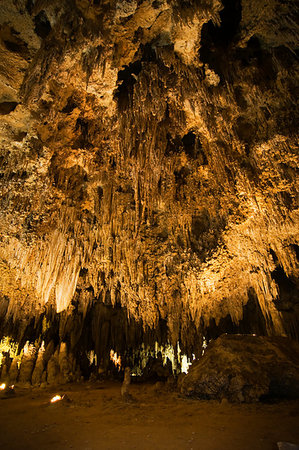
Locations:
149 163
75 345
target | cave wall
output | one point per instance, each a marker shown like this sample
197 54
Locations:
148 163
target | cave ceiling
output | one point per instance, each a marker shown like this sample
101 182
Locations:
148 161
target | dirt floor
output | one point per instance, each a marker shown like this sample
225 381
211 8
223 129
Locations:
95 417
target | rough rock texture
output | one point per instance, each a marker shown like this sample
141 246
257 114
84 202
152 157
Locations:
243 368
39 365
148 167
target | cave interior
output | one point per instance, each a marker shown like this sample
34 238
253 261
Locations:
149 194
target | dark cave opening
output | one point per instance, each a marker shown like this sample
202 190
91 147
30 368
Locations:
189 143
215 39
288 290
216 42
17 46
83 126
126 80
42 25
148 53
230 18
193 148
255 55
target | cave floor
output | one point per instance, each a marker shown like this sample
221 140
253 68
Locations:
95 417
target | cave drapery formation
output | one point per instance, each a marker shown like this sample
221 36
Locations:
148 171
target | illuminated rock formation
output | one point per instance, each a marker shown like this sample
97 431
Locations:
245 369
148 172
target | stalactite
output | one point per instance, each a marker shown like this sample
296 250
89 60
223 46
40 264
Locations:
142 169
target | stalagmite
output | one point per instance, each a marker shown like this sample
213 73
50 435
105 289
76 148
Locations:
14 371
27 363
126 384
39 367
148 188
149 225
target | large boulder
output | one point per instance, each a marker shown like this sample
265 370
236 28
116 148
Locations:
245 368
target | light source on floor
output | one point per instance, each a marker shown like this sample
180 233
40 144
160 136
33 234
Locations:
56 398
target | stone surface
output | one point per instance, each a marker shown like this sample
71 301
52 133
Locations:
27 364
39 368
245 369
14 371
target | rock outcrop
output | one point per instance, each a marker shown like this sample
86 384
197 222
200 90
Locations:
244 368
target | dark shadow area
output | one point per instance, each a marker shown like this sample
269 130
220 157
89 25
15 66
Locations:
70 106
82 128
42 25
288 290
29 6
173 145
254 55
193 147
7 107
148 53
253 321
287 302
189 143
126 79
295 247
13 43
216 39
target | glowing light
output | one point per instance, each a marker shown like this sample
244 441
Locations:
185 363
8 346
204 345
92 358
115 359
2 386
56 398
28 349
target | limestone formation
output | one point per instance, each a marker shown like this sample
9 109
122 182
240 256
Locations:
39 368
148 175
244 368
14 371
126 384
27 363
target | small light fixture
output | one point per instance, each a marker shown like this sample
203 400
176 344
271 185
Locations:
2 386
56 398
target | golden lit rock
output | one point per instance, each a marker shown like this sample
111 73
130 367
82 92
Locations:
148 180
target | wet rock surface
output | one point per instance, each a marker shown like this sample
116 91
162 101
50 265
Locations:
245 369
